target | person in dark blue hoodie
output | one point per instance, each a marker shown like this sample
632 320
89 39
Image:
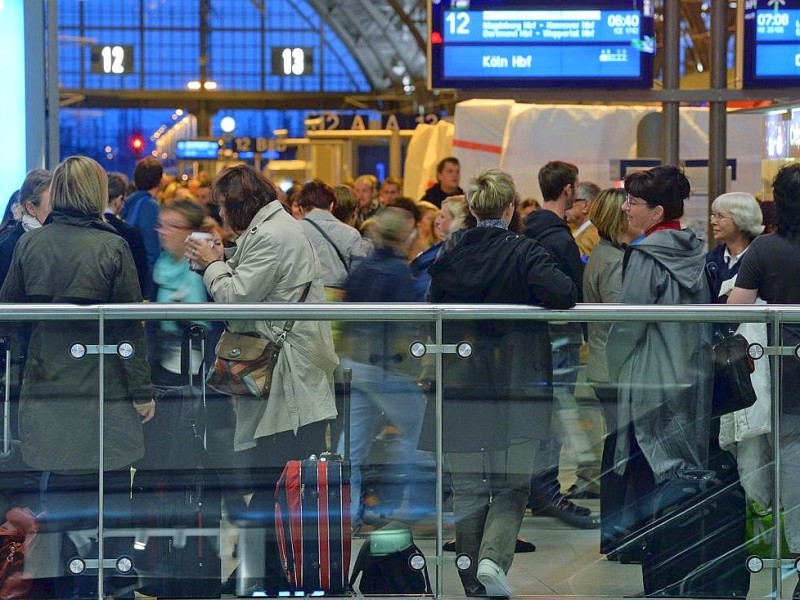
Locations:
558 181
384 375
141 210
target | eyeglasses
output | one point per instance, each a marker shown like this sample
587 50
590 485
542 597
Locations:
720 216
167 225
631 201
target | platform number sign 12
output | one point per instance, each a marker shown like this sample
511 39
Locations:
112 59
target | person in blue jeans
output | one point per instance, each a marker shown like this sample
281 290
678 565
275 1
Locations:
384 388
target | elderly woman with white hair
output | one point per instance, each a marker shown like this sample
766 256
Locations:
736 220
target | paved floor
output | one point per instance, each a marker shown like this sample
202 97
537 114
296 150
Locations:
567 564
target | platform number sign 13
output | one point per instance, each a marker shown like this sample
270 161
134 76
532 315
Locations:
290 61
112 59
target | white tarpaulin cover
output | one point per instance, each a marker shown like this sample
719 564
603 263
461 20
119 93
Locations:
427 146
520 138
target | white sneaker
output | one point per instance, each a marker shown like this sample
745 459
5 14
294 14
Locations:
493 578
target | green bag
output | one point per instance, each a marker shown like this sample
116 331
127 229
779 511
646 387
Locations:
758 528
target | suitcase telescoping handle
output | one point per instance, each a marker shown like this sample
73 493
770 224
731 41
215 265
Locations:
347 378
5 348
190 334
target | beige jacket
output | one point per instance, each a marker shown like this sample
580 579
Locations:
273 261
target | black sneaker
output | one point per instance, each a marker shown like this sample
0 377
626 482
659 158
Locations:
570 513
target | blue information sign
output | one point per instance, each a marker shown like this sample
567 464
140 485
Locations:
772 43
197 149
527 43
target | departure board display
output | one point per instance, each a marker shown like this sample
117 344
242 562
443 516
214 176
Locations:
476 44
771 43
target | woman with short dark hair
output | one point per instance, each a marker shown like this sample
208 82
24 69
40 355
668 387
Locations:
662 370
30 209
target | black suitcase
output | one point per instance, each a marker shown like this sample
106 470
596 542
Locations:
694 547
176 497
12 468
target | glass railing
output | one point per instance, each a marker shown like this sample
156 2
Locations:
439 429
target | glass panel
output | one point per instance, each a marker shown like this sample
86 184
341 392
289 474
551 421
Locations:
199 491
392 443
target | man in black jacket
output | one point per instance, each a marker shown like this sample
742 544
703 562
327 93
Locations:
558 181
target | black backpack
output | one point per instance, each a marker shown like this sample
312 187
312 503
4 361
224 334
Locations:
401 571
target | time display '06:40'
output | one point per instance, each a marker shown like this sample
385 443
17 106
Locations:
629 20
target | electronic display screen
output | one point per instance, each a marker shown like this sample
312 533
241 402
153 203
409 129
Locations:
197 149
476 44
771 43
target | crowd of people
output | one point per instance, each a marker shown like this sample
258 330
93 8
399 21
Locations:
84 236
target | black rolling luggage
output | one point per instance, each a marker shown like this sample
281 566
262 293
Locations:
176 498
12 469
694 547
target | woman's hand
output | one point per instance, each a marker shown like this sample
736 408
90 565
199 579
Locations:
203 252
146 411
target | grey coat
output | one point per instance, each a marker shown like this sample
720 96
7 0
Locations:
348 241
664 370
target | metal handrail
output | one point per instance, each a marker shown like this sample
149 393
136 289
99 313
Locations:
344 311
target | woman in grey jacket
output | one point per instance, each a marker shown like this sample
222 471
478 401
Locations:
663 370
272 261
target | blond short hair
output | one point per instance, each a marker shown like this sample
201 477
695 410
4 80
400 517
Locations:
79 184
490 193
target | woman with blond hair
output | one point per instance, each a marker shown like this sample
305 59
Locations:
426 231
79 259
602 281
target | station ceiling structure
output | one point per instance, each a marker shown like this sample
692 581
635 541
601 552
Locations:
387 39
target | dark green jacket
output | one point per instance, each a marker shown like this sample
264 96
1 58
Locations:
77 259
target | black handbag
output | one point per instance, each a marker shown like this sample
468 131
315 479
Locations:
733 388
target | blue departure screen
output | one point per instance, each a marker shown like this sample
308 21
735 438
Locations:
772 43
539 43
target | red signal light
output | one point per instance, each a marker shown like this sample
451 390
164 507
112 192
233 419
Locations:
436 38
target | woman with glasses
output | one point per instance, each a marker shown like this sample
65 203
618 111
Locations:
662 369
174 281
736 220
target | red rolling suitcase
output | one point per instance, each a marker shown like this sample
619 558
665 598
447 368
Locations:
312 520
